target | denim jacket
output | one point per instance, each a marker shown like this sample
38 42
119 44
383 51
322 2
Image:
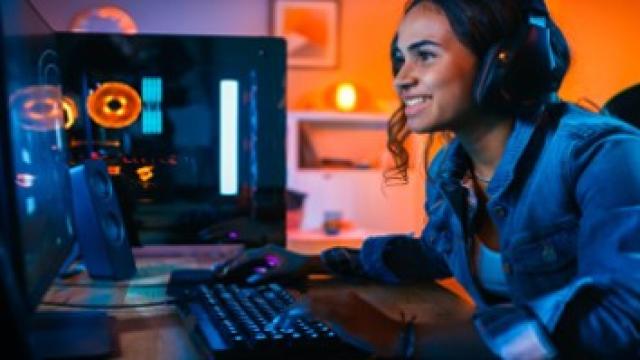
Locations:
565 199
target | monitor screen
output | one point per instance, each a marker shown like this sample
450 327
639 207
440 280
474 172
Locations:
36 196
191 128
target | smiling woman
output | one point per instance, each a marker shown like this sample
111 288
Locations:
519 202
437 71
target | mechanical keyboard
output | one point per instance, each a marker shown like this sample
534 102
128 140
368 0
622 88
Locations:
230 321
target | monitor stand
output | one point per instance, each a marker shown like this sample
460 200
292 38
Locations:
73 334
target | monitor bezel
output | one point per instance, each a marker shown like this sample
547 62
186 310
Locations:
12 236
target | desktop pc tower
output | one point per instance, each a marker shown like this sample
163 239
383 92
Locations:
191 128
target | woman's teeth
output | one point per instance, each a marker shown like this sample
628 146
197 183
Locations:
415 100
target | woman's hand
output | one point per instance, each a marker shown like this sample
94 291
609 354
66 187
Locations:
352 317
265 264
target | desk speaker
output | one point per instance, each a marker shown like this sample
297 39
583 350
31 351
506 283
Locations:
100 227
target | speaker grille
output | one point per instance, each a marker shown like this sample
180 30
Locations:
100 185
113 229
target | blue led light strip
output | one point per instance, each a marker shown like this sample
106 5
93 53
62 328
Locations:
229 101
151 105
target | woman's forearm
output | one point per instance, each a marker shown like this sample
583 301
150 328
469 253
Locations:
460 340
314 265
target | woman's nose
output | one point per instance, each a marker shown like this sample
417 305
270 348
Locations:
404 78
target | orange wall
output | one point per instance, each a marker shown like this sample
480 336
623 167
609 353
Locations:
604 38
366 29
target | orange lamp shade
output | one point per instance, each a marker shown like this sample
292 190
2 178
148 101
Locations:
114 105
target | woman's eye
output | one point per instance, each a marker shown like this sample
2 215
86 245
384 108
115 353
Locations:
425 55
396 63
396 56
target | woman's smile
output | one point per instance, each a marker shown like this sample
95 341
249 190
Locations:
416 104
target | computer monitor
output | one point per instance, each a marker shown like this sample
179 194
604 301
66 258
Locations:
35 191
36 194
192 129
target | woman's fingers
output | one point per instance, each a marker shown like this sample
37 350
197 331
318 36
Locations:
269 271
261 274
287 319
253 255
254 266
221 268
262 264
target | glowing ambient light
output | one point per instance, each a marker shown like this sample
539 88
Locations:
346 97
145 173
114 105
229 101
37 108
108 18
25 180
70 112
151 108
26 156
30 205
114 170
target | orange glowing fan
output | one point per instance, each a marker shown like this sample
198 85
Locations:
37 107
114 105
70 111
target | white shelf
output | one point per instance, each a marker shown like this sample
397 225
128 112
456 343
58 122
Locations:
359 194
315 241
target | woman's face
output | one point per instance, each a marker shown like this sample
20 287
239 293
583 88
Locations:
436 77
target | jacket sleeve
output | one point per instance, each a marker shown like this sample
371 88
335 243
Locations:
387 258
396 259
597 315
391 258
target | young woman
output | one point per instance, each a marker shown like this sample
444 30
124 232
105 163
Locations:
534 206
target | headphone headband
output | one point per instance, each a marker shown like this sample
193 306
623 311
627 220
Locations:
519 73
535 7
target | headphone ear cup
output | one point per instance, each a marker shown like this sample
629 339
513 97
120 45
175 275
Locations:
488 75
519 73
536 65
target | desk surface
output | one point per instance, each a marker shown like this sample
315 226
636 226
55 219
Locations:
157 332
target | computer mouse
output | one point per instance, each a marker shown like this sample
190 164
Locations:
183 281
251 272
244 273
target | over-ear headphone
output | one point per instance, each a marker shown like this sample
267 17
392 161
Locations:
521 72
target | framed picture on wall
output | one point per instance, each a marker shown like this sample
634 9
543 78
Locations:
310 28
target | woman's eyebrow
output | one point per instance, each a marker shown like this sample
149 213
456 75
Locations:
421 43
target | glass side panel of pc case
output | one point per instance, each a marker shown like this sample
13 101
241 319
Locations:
191 128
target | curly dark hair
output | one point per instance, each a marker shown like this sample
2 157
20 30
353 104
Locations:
478 24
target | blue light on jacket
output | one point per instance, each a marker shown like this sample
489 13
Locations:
565 199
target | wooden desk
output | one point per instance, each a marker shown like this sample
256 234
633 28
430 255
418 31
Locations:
157 332
315 241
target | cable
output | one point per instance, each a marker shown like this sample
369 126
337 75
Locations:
109 306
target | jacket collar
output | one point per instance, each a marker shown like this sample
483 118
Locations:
520 137
453 164
455 161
